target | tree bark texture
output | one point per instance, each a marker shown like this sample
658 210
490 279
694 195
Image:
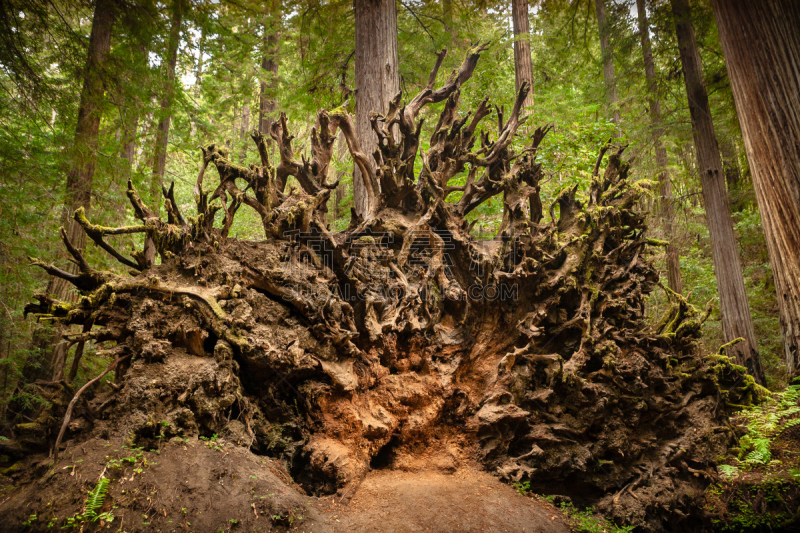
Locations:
761 43
162 133
377 79
666 212
608 61
734 308
523 66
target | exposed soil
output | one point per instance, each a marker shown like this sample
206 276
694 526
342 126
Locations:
190 484
468 500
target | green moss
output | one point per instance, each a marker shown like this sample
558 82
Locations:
19 466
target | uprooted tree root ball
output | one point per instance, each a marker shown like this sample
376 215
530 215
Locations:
334 350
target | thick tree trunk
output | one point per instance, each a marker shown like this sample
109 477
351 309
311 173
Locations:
377 78
162 133
608 61
734 307
81 173
665 204
523 67
269 67
761 44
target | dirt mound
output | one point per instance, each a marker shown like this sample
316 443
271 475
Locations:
186 484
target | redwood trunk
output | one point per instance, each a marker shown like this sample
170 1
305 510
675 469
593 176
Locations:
761 44
523 67
608 61
162 133
665 205
377 78
734 307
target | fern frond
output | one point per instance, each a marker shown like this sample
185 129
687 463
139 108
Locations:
96 499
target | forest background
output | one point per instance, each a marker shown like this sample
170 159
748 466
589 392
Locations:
190 73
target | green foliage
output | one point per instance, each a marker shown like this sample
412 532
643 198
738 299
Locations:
94 503
586 520
522 488
96 499
766 421
729 470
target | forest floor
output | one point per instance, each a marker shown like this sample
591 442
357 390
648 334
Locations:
214 485
393 501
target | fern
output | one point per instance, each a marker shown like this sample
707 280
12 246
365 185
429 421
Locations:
767 421
96 499
729 470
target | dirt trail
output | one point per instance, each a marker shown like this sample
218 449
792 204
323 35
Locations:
393 501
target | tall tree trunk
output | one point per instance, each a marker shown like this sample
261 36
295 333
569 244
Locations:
84 155
665 205
162 133
761 44
608 61
377 77
733 174
244 134
130 110
269 66
734 308
447 17
341 153
523 67
201 48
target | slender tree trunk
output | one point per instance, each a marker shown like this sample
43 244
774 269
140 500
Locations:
130 110
665 205
81 174
269 66
734 308
198 75
377 77
244 135
523 67
761 44
608 62
447 17
341 153
733 174
162 133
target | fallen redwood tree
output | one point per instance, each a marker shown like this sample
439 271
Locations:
402 333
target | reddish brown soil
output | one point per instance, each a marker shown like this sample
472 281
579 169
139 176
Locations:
192 485
468 500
